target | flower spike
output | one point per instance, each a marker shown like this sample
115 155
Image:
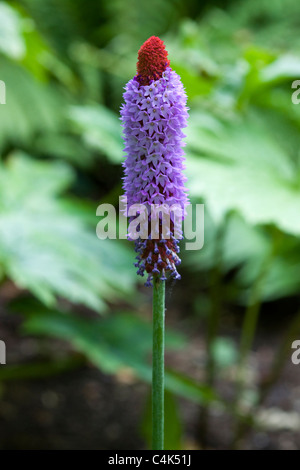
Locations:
153 116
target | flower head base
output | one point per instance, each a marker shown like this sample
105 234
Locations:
153 117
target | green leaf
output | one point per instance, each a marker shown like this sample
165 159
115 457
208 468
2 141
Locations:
188 388
37 370
32 107
173 424
246 172
50 251
100 129
242 243
283 276
286 67
11 40
118 341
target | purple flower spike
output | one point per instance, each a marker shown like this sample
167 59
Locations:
153 116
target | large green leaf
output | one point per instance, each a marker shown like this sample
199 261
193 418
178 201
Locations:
100 129
244 170
286 67
112 343
47 249
32 108
116 342
11 41
244 250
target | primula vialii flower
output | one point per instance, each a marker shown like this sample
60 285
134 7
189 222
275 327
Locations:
153 116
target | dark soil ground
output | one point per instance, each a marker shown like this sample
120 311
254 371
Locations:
86 409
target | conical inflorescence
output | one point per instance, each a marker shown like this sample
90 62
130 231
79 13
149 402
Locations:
153 116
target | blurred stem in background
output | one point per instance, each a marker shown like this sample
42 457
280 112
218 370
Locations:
158 372
276 369
249 329
213 324
280 357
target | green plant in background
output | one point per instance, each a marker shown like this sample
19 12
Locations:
248 166
64 65
48 250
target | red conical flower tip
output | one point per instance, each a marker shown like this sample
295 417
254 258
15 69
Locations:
152 60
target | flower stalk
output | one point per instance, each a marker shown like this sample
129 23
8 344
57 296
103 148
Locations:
153 116
158 372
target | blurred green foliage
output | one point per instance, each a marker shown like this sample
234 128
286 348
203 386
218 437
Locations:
65 64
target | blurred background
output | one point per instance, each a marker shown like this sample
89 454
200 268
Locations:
75 318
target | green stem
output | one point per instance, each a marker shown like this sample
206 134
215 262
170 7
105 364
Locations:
249 325
249 328
158 372
252 312
283 352
279 362
213 325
